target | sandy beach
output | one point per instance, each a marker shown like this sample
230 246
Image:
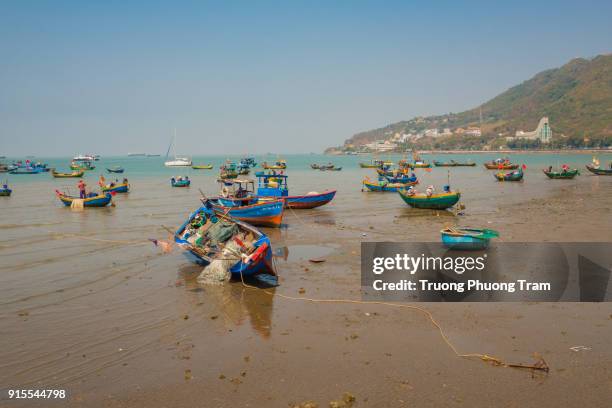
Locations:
103 314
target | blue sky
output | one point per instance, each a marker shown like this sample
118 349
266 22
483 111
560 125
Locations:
290 76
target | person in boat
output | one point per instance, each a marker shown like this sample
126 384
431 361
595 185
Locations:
447 189
82 186
186 178
550 169
429 191
125 180
173 180
411 191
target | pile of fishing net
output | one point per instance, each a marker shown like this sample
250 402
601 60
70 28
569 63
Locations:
218 271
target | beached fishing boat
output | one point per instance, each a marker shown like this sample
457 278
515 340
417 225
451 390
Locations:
564 174
599 171
93 200
115 169
68 175
279 165
202 166
430 201
452 163
180 182
262 214
238 199
467 238
5 191
516 175
274 186
381 186
207 237
117 188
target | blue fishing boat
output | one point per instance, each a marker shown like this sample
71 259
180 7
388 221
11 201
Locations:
467 238
117 188
93 200
27 170
274 186
262 214
205 234
115 169
180 182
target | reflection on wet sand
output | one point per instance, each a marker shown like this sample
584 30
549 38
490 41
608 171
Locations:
234 301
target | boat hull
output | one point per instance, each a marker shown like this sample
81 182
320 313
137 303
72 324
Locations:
68 175
514 176
463 242
97 201
386 187
433 202
267 214
308 201
115 170
492 166
599 172
183 183
565 175
206 167
119 188
5 192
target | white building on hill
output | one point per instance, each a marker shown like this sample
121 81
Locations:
542 132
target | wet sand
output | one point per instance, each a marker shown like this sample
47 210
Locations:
136 330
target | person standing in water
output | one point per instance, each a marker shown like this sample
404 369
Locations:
81 186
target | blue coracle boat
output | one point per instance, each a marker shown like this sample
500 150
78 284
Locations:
467 238
204 247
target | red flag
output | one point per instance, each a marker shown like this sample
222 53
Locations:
524 167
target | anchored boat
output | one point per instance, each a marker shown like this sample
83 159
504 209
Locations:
599 171
564 174
117 188
68 175
180 182
274 187
516 175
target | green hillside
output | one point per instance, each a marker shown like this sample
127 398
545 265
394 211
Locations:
576 97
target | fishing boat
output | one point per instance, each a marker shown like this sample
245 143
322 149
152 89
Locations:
202 166
262 214
599 171
333 168
384 186
239 199
430 201
467 238
180 182
207 237
3 168
115 169
82 165
373 164
516 175
563 174
178 161
5 191
93 200
117 188
502 163
26 170
452 163
402 178
274 187
279 165
67 175
228 171
248 162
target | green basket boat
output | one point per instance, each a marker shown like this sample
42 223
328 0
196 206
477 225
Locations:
432 202
565 174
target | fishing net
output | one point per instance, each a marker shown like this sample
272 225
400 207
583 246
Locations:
221 232
77 204
218 271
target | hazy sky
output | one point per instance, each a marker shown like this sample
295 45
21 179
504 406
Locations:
287 76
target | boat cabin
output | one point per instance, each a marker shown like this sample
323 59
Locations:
237 192
272 185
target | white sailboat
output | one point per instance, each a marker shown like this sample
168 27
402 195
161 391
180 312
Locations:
178 160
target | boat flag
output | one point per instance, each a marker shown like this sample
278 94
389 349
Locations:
524 167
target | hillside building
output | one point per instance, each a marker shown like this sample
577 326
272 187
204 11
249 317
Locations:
543 133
